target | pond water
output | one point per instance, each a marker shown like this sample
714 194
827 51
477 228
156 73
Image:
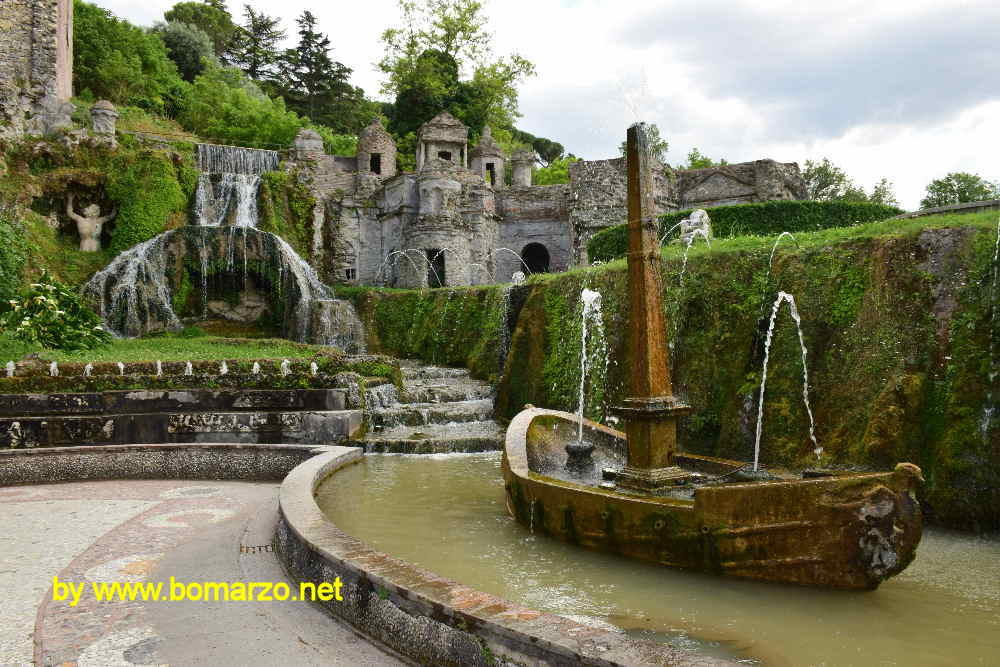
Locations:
446 513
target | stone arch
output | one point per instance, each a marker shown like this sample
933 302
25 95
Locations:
536 256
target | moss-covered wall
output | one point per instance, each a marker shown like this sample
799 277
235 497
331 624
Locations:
150 186
897 320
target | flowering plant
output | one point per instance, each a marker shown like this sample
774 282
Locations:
52 315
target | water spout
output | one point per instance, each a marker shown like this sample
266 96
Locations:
256 368
579 452
10 369
285 367
782 296
54 369
188 368
88 370
223 368
159 368
313 368
121 368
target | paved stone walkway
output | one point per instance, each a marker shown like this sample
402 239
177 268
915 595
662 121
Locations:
148 531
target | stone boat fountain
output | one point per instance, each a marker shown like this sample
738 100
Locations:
635 494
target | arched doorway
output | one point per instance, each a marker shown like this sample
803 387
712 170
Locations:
536 256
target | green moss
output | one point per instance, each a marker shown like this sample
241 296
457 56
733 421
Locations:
286 210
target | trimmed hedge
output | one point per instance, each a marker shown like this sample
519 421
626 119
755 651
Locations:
762 219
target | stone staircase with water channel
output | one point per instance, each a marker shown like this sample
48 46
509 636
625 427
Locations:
439 411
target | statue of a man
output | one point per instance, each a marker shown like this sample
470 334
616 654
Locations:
89 225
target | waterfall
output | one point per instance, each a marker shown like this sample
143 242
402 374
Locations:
229 182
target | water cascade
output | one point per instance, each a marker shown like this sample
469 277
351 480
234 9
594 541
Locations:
286 368
121 368
228 184
88 370
135 293
10 369
54 369
188 368
159 368
782 296
223 368
256 368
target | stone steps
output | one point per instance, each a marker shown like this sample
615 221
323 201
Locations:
440 390
420 414
440 410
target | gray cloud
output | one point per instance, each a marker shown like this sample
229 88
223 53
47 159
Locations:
819 79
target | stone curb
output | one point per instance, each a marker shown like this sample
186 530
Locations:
221 461
428 618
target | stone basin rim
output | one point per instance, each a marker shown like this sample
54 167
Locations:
387 598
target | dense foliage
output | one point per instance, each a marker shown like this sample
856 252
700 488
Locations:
149 188
115 60
12 253
828 182
555 173
765 218
53 316
957 188
188 46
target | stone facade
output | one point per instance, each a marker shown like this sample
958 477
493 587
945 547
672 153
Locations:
454 221
743 183
36 60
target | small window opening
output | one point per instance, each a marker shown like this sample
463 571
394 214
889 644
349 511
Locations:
435 267
351 274
375 163
491 172
445 155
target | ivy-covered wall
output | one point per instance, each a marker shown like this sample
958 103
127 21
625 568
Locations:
897 318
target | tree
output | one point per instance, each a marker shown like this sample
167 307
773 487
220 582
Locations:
317 87
189 47
226 107
440 60
658 146
958 187
115 60
254 47
555 173
211 16
827 182
883 193
695 160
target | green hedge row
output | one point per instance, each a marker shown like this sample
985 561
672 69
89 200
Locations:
763 219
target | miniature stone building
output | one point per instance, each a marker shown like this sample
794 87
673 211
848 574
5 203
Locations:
454 221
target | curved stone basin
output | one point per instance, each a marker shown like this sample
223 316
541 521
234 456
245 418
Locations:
847 531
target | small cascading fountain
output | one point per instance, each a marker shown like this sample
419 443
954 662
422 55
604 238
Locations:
783 296
229 182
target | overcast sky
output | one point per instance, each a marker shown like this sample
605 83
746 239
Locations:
906 90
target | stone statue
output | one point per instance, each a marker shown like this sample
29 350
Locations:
51 115
103 118
89 225
697 224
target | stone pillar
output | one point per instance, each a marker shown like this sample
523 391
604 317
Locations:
650 412
522 162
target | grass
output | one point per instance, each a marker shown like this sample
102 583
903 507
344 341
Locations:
134 119
170 348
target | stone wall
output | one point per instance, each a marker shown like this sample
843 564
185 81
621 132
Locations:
537 214
36 56
598 199
742 183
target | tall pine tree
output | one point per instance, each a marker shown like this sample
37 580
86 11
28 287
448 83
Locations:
255 46
317 86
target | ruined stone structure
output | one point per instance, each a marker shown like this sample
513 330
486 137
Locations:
455 221
36 61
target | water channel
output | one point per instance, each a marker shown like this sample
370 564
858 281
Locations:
446 513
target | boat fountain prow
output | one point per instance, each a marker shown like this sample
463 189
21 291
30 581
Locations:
636 494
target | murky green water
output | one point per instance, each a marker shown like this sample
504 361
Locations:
446 513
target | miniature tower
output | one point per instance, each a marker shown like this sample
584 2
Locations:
376 151
443 137
488 160
522 162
